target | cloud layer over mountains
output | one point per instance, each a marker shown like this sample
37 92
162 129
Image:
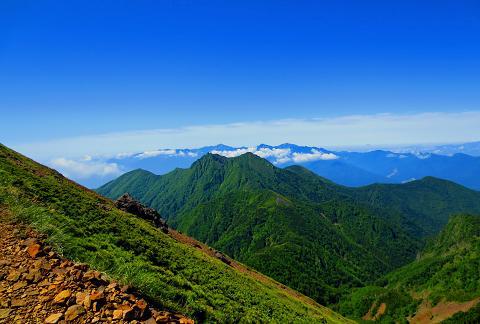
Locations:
377 130
279 155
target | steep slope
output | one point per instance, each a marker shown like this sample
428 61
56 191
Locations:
88 228
28 266
299 228
444 280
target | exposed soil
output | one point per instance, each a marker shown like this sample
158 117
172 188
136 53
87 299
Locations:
380 311
443 310
426 314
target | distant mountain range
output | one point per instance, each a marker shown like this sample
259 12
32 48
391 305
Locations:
343 167
471 148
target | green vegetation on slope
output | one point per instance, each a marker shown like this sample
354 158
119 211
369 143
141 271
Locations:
294 226
447 270
426 203
88 228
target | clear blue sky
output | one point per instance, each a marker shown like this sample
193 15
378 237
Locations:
71 68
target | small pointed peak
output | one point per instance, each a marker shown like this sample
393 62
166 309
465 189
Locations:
213 156
219 147
264 146
250 157
286 145
247 155
208 159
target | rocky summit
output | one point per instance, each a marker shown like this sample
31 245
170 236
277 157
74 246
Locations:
39 286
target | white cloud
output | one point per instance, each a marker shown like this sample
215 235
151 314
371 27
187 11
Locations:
149 154
187 153
167 152
279 155
422 156
391 174
123 155
263 152
314 156
234 153
274 154
85 168
283 160
379 129
396 155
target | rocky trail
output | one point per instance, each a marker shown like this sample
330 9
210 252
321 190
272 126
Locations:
39 286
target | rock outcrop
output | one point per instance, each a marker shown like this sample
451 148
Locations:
39 286
222 257
128 204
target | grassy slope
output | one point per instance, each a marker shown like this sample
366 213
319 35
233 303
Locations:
447 270
88 228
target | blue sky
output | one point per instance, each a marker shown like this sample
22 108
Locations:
71 70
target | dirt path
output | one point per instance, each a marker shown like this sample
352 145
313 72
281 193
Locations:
443 310
39 286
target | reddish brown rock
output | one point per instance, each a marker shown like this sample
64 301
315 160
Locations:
18 302
4 312
54 318
34 250
19 285
61 297
30 241
80 297
130 314
112 286
125 289
117 314
97 296
13 275
73 312
142 305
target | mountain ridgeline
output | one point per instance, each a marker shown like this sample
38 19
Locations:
299 228
343 167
